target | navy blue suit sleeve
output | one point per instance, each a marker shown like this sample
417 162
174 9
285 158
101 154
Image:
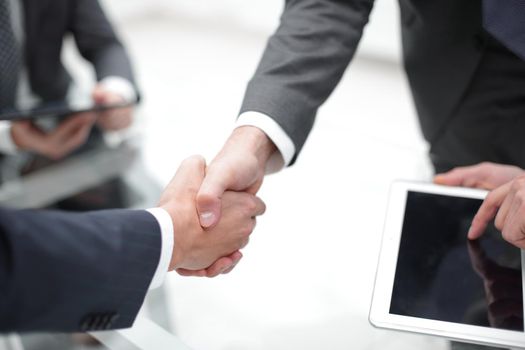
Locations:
75 272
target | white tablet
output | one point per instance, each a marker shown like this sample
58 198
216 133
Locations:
431 279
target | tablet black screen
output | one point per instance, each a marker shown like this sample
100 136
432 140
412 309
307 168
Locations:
440 275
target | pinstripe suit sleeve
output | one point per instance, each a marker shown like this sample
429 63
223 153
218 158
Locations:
75 272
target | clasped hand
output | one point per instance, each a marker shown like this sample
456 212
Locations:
207 252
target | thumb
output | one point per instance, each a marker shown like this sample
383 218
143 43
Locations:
208 199
99 95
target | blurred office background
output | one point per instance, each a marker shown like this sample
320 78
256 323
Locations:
307 276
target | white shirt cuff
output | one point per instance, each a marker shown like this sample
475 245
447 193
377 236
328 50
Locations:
120 86
166 229
283 142
7 145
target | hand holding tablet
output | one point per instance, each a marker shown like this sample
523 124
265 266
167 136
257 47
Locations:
55 129
431 279
54 144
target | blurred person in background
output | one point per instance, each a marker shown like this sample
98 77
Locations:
32 73
466 79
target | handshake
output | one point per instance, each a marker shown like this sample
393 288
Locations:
210 251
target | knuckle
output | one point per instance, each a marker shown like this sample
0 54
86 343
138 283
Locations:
521 177
499 223
477 221
516 185
484 165
263 206
520 195
507 236
251 204
194 159
491 198
244 243
247 230
519 184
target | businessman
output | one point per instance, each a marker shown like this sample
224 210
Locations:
463 63
82 272
463 59
32 72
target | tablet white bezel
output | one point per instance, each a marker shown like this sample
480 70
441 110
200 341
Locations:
380 309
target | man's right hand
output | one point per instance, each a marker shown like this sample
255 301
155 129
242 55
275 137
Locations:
64 139
239 166
507 205
195 248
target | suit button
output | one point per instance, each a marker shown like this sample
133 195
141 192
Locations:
106 319
113 318
86 323
97 322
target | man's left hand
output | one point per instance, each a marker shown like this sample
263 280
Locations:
484 175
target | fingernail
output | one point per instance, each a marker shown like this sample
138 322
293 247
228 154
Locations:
470 229
207 218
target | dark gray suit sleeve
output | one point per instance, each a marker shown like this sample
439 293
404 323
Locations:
97 40
304 60
75 272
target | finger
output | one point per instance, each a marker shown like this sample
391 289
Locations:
72 124
223 265
236 257
191 273
98 95
23 124
253 189
77 137
487 211
503 210
75 131
28 136
209 196
260 207
219 266
456 176
116 119
512 228
101 95
62 147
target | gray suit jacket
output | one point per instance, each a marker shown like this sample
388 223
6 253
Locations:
308 54
47 22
